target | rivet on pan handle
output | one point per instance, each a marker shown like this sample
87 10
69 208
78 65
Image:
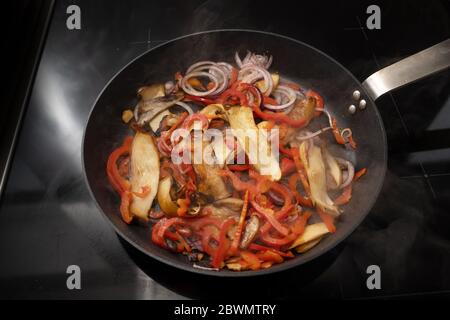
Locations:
408 70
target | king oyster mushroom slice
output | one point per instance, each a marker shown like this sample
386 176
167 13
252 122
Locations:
146 110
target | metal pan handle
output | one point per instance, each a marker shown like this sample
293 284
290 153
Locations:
408 70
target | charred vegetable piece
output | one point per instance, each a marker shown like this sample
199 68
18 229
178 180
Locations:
144 173
255 145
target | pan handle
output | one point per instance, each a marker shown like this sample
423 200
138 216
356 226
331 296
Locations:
408 70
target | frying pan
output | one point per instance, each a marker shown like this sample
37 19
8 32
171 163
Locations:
294 60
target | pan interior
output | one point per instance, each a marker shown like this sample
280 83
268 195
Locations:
293 60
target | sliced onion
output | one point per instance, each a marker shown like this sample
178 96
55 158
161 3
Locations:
350 171
287 92
190 90
311 135
220 75
251 73
185 106
329 117
204 64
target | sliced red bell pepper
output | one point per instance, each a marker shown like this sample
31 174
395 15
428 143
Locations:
337 134
297 230
327 219
360 173
117 181
287 166
222 248
238 184
203 100
268 215
345 196
269 256
125 201
277 117
239 167
258 247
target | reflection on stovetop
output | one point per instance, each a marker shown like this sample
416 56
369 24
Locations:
48 220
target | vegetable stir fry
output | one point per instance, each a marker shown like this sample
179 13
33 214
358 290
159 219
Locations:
225 169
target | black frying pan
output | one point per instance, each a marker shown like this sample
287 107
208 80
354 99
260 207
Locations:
293 59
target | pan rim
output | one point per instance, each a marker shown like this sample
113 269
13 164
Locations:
290 264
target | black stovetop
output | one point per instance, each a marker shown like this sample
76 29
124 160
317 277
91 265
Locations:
49 221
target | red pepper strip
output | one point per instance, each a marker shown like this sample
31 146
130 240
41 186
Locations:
252 259
258 247
287 206
199 99
269 115
117 181
286 151
233 94
269 256
287 166
219 255
304 202
301 170
239 167
352 142
204 221
207 235
262 182
345 196
144 192
359 174
240 227
167 224
284 211
268 214
125 201
155 230
337 135
327 219
319 100
297 230
237 183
